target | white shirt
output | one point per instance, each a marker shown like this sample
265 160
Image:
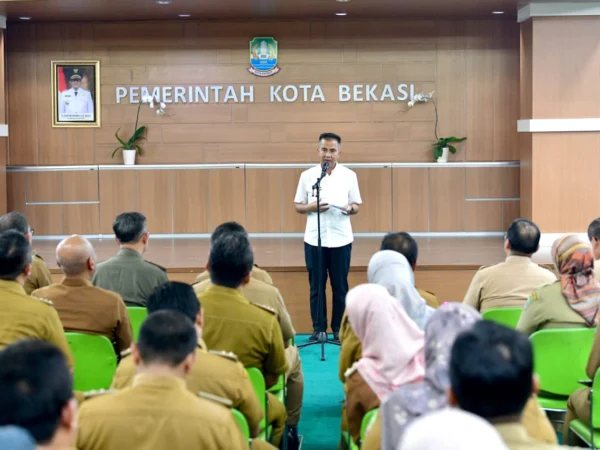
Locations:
339 189
76 107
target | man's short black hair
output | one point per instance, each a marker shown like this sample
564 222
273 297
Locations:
226 228
35 386
231 259
174 296
14 220
594 229
129 227
15 255
330 137
491 370
524 236
166 337
402 243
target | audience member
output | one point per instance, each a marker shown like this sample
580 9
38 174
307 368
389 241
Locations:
22 316
81 306
36 397
509 283
594 237
573 300
127 273
491 375
40 275
392 356
158 412
234 324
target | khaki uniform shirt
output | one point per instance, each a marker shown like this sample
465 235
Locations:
157 413
22 316
548 308
507 284
515 437
130 276
233 324
85 308
360 399
257 273
215 373
39 276
261 293
429 297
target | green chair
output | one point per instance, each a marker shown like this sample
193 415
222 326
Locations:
95 361
242 423
137 314
559 357
368 422
258 383
278 389
504 316
589 433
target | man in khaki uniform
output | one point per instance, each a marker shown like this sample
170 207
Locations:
594 237
127 273
158 412
82 307
22 316
235 325
40 275
510 283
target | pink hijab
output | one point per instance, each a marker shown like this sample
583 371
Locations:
392 344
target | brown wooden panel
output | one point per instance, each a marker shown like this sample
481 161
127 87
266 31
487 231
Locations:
16 187
226 197
190 201
410 199
3 179
117 195
44 186
46 219
526 64
492 182
510 212
483 216
291 221
264 200
81 219
446 199
376 191
80 185
526 174
299 112
183 134
154 196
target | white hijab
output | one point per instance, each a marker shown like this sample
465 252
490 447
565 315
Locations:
391 270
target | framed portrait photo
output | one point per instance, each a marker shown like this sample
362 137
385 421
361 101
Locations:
75 93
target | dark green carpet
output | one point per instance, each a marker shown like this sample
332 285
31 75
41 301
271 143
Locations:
323 391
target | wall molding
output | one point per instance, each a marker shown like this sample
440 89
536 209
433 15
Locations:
558 10
557 125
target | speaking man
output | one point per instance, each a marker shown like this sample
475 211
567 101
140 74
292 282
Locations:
339 199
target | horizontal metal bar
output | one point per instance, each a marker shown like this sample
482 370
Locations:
499 199
171 166
95 202
458 165
49 168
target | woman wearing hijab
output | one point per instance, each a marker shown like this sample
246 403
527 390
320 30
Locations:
392 353
573 300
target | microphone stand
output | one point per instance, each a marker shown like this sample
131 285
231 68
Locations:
322 338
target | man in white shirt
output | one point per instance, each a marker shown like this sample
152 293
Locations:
75 104
339 199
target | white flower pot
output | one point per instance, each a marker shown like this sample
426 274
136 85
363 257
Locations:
129 157
444 157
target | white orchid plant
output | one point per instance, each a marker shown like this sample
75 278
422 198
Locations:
132 143
421 98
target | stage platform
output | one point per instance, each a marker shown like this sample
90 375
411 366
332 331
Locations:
446 264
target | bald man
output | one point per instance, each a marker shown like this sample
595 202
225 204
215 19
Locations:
81 306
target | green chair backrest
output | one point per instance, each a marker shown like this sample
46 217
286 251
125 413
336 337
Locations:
95 361
596 401
242 423
560 356
137 314
258 383
367 422
504 316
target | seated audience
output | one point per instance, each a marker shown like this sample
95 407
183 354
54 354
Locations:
127 273
454 430
40 275
158 412
392 351
261 293
22 316
573 300
594 237
233 324
81 306
215 373
509 283
491 375
36 397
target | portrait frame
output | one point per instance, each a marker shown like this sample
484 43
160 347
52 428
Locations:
75 94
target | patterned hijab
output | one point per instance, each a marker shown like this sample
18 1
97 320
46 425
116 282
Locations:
414 400
392 345
574 260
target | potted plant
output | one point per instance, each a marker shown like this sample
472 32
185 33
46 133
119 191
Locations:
442 146
131 146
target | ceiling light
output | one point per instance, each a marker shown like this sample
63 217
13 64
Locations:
25 18
183 15
163 2
497 12
343 1
340 14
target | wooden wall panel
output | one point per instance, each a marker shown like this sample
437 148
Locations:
154 195
81 219
117 195
16 187
80 186
410 199
291 221
264 200
510 212
483 216
376 191
526 78
44 186
190 201
446 199
227 197
526 175
46 219
492 182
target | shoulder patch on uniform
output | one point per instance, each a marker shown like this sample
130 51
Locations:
215 398
532 298
229 355
266 308
44 300
350 371
154 264
125 352
97 393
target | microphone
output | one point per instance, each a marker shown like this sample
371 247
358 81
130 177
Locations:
325 168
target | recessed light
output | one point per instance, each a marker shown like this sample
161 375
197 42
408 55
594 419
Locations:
163 2
25 18
497 12
343 1
184 15
340 14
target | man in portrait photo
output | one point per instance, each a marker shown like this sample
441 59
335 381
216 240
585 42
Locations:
75 103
